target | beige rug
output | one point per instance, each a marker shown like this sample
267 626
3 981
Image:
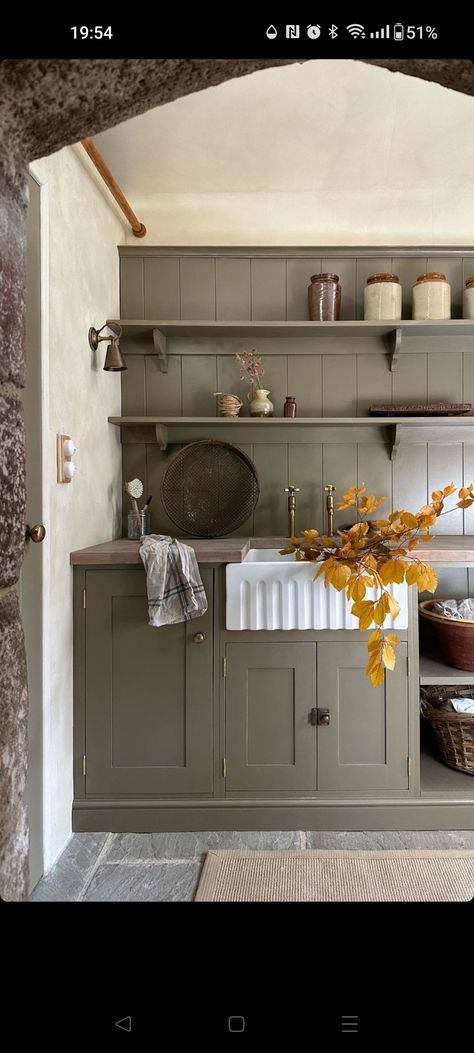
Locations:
320 876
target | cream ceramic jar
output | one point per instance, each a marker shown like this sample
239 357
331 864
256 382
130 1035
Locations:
383 298
431 297
468 298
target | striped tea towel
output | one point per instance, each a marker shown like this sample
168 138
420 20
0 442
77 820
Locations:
175 590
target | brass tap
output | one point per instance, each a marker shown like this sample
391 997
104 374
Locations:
291 491
329 490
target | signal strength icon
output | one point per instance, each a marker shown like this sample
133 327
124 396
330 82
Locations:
381 34
356 30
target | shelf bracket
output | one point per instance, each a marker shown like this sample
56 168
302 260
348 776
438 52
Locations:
160 345
162 436
395 441
394 345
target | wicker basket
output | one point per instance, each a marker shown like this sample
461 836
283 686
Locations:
228 405
454 731
455 636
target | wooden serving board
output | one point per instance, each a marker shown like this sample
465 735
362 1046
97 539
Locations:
420 409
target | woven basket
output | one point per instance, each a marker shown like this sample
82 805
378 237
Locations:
228 405
454 731
455 636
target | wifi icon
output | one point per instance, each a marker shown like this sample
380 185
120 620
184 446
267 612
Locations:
356 30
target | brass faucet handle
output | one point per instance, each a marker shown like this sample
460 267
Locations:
329 489
292 490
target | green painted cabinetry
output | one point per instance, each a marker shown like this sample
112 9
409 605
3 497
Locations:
148 693
365 745
270 691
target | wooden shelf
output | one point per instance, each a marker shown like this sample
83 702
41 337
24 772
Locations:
435 671
400 430
393 333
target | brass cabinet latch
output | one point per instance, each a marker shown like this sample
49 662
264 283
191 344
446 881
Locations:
320 717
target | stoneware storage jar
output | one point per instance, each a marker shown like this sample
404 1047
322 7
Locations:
468 298
324 298
383 298
431 297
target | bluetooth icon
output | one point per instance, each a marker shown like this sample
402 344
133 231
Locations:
333 32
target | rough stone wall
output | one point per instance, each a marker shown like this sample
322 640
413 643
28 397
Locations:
45 105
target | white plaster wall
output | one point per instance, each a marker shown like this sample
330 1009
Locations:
318 153
82 289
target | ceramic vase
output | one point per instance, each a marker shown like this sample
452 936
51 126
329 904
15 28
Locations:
260 404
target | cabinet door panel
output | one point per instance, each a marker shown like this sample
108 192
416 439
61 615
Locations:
148 692
365 746
270 691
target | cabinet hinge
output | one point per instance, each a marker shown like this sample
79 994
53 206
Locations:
84 765
224 767
408 766
84 599
224 667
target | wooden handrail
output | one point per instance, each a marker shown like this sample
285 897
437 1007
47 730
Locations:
138 229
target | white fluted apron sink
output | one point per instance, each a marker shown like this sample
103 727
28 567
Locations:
270 591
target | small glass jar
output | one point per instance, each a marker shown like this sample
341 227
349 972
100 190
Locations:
431 297
383 298
289 409
324 298
138 525
468 298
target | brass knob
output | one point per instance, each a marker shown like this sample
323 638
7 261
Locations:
199 637
35 533
324 716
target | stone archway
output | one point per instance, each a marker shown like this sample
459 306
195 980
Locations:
44 106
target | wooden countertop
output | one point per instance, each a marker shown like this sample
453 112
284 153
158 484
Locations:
445 548
124 553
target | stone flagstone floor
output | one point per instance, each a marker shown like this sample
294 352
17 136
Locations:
166 867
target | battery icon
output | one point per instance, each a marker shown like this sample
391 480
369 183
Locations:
398 31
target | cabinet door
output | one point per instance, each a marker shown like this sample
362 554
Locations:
365 745
148 692
270 691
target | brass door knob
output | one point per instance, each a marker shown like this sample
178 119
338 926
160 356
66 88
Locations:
199 637
35 533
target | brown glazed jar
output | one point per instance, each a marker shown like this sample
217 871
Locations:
324 298
289 409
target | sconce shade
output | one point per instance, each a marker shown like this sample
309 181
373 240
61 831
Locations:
114 362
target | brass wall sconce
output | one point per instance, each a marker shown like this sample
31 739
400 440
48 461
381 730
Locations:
114 362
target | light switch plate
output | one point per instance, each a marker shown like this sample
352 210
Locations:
61 458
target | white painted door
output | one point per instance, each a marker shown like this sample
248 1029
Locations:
31 582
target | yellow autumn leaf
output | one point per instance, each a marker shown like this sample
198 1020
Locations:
437 495
393 639
380 610
466 503
286 551
449 490
431 579
413 543
374 639
409 520
465 491
310 535
377 676
363 610
299 554
374 661
393 606
393 570
359 589
340 576
413 574
294 541
367 505
388 656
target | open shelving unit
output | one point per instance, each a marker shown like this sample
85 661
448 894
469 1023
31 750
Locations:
393 334
162 430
